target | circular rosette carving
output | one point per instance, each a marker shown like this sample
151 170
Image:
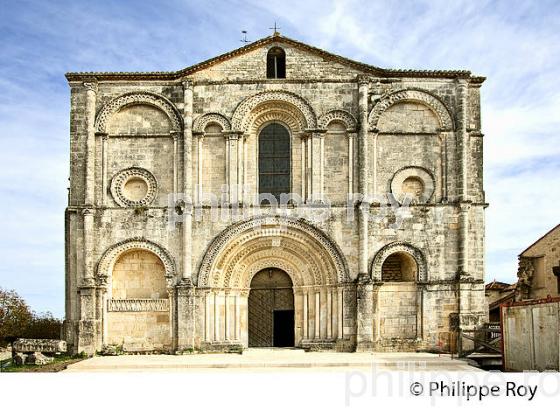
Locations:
134 187
413 184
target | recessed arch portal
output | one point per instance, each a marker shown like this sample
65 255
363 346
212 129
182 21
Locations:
310 255
307 258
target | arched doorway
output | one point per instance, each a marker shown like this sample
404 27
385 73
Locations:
271 309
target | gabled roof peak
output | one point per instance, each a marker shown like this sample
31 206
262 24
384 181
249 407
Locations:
276 37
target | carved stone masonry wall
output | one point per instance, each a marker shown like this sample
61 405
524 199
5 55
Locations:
153 263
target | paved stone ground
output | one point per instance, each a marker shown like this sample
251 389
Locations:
272 360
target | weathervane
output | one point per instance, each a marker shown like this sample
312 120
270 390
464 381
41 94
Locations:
275 28
244 39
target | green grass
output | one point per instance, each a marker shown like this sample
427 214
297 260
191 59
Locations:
59 363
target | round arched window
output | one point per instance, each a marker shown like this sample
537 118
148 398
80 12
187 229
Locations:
274 160
276 63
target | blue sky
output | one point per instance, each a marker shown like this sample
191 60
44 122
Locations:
516 44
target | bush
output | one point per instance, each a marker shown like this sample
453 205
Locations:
43 326
15 316
17 320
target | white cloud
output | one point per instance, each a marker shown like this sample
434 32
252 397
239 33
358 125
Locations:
516 46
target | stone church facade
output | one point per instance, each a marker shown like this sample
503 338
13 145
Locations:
181 235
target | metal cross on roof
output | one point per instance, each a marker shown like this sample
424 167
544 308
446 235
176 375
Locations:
275 28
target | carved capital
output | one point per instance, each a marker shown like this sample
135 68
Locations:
363 80
90 86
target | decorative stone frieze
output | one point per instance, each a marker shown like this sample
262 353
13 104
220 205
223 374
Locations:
138 305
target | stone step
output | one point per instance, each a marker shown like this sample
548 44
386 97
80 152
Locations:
272 351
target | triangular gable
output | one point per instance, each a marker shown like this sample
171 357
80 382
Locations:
276 38
539 240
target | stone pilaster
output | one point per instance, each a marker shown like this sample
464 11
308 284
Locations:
186 316
91 97
187 180
363 89
89 329
364 314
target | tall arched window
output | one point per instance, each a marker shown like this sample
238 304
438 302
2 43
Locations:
274 160
276 63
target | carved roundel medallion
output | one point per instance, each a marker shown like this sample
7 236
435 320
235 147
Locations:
414 184
134 187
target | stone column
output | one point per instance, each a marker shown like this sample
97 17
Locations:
374 138
365 313
340 313
89 329
322 167
185 292
91 98
186 311
199 157
233 159
175 136
308 169
304 185
362 180
104 138
329 313
240 167
462 139
317 334
351 139
305 315
187 180
316 149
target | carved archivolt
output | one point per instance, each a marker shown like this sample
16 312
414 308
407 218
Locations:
395 247
338 115
112 254
202 121
422 97
303 251
138 98
241 119
276 112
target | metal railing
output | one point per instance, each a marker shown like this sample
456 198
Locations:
485 339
